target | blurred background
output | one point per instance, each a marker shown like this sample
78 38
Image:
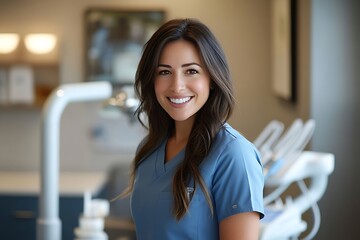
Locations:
327 81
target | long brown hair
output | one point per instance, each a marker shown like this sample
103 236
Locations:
209 119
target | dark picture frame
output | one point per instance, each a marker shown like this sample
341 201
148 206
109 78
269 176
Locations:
114 39
284 49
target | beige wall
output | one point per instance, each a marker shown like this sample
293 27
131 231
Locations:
242 26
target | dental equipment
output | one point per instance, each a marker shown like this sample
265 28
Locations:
283 142
288 148
295 139
91 222
269 135
284 221
298 142
48 222
287 163
289 136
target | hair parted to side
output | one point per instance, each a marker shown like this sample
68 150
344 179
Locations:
209 118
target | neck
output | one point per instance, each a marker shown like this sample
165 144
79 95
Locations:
179 139
183 130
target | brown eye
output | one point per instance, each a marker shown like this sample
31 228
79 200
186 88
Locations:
192 71
164 72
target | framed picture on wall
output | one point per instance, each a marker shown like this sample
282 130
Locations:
114 40
284 49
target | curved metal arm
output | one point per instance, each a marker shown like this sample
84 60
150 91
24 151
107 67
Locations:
48 222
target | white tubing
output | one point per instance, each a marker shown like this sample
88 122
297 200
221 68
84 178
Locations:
270 134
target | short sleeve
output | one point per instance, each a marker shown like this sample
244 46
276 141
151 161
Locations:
238 180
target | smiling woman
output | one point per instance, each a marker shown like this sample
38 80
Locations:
182 86
193 176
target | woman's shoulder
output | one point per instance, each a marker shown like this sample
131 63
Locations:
231 146
232 155
228 136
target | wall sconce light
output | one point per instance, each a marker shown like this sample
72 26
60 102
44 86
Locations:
8 42
40 43
24 62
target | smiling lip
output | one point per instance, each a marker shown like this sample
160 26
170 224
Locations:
179 100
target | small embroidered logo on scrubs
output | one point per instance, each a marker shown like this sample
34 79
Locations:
189 192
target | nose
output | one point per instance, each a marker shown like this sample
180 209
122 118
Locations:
177 83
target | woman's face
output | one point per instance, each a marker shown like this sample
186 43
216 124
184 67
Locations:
182 85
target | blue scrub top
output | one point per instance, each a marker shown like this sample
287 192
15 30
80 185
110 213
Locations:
232 172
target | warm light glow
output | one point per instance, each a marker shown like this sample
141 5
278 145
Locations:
60 93
40 43
8 42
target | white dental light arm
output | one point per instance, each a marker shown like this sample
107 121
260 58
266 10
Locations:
48 222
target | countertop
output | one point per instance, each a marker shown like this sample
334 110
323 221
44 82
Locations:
71 183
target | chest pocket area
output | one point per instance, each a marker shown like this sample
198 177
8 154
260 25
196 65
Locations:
167 227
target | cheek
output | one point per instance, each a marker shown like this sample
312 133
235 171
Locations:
203 88
159 88
158 83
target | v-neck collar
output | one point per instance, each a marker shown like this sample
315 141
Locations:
161 166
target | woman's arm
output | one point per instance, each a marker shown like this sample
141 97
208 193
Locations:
240 226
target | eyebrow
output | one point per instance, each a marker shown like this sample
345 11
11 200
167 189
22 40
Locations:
184 65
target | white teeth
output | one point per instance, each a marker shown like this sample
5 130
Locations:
179 100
